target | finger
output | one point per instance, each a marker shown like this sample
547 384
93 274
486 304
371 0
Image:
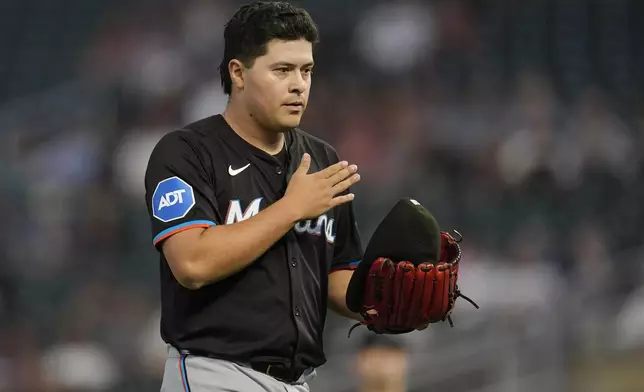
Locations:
344 185
378 291
415 312
403 288
331 170
441 293
342 174
305 164
336 201
427 297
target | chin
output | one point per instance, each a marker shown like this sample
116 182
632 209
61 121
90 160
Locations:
289 122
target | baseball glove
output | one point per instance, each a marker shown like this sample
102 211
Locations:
409 274
401 297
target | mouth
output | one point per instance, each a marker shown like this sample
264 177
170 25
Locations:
295 105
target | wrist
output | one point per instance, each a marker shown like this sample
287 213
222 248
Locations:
288 210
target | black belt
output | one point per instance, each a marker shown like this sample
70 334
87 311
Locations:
277 371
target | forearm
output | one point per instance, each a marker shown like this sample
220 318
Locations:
338 284
224 250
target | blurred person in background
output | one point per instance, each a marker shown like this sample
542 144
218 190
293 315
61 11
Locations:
382 364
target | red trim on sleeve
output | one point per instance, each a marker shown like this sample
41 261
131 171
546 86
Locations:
347 268
180 229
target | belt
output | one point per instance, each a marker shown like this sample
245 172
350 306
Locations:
279 372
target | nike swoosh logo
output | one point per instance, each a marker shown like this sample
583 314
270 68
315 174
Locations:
234 172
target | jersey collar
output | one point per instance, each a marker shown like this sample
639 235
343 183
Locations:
239 143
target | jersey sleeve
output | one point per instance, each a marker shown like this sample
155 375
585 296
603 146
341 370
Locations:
347 252
179 190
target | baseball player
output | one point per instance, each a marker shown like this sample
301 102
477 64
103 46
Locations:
252 219
257 237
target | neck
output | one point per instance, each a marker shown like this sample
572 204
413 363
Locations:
251 131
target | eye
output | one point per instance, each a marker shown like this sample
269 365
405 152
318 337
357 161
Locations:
282 70
307 71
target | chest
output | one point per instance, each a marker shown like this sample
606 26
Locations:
246 187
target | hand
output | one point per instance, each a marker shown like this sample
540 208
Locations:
311 195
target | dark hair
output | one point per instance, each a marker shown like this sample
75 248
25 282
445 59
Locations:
254 25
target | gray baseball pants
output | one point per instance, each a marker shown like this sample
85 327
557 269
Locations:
192 373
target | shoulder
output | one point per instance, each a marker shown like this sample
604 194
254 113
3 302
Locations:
175 144
187 148
313 141
315 145
207 127
192 137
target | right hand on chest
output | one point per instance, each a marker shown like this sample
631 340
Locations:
311 195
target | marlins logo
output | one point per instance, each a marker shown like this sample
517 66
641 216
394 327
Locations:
323 225
235 213
172 199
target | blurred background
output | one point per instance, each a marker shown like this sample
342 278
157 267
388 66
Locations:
521 124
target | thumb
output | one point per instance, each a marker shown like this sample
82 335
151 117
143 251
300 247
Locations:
305 164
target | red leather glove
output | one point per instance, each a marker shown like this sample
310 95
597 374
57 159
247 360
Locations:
400 297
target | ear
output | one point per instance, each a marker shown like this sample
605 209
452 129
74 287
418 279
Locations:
236 71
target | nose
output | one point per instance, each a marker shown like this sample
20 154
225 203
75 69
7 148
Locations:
298 84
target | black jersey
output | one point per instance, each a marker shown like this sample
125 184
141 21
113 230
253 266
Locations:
275 309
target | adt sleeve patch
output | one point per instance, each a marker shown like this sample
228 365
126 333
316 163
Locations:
173 198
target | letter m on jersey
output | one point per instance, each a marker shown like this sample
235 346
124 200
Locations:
235 213
172 199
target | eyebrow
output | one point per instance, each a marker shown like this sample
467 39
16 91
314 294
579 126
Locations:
291 65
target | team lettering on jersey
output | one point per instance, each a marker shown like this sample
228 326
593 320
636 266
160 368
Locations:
235 214
322 225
